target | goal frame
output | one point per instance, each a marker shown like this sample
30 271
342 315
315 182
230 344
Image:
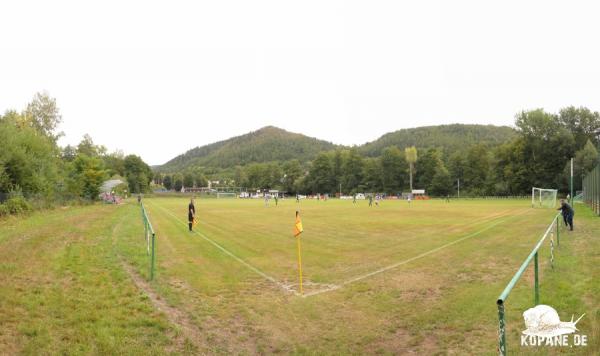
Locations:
230 195
541 190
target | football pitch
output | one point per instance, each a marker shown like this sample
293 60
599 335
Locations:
397 278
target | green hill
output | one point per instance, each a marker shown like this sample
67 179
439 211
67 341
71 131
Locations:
265 145
271 144
450 138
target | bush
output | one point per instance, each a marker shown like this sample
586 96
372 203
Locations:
17 205
3 210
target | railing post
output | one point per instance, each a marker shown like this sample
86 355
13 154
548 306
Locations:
145 224
537 285
501 329
557 232
152 260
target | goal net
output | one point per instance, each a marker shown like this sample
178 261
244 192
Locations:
226 195
543 198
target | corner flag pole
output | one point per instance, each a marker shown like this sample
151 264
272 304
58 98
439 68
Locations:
300 265
297 231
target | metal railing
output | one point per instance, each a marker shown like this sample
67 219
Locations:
150 237
532 256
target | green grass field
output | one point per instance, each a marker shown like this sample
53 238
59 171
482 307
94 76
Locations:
382 280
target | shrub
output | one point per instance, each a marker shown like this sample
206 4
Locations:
16 203
3 210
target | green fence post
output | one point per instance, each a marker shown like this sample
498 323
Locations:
501 329
557 232
145 222
537 285
152 259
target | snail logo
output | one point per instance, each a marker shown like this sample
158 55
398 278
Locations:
544 328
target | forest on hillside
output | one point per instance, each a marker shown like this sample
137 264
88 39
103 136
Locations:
450 138
537 154
269 144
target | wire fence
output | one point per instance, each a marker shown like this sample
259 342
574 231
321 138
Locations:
591 189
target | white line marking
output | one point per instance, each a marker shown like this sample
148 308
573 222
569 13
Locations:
381 270
230 254
349 281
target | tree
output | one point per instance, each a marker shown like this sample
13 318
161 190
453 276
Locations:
177 182
586 158
441 184
258 175
168 182
87 147
292 171
372 175
547 145
393 169
320 176
275 176
584 161
28 161
200 180
43 115
512 169
115 163
69 153
240 176
188 180
411 158
337 168
477 169
427 165
456 166
582 123
88 175
158 178
352 171
138 174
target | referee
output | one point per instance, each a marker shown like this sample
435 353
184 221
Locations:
191 213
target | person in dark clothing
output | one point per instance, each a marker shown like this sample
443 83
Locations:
191 213
567 213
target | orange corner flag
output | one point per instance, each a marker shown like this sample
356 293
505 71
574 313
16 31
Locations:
298 226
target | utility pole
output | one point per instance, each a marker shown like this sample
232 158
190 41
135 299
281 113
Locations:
571 200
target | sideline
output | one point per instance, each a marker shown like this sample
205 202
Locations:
232 255
397 264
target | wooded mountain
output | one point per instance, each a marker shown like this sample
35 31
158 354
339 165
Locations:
450 138
273 144
265 145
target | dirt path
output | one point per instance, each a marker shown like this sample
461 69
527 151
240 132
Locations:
188 333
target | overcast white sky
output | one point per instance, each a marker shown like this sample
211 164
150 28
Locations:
158 78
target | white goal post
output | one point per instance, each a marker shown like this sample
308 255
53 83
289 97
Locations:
543 198
226 195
